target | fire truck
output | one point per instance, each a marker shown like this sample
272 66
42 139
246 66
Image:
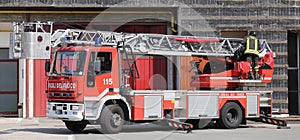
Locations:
92 77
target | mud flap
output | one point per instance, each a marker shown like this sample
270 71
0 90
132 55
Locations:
180 125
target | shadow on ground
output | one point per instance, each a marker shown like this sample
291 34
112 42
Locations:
61 131
97 130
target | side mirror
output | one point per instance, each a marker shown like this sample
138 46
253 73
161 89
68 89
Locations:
47 66
97 66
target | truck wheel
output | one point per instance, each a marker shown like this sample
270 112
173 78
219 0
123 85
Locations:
75 127
112 119
231 116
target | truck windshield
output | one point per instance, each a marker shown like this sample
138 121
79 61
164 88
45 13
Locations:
69 63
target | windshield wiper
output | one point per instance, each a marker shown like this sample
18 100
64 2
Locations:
68 74
62 74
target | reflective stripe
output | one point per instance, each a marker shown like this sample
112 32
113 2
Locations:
97 98
256 68
252 45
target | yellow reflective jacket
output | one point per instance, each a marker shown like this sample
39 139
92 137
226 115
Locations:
252 45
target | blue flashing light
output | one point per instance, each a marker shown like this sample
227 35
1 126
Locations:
64 39
98 41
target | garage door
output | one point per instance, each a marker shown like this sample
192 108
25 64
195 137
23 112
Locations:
293 73
8 84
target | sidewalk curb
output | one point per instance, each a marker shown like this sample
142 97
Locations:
10 120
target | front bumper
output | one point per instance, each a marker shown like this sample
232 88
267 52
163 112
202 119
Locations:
65 111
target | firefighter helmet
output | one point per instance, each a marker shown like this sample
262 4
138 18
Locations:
252 33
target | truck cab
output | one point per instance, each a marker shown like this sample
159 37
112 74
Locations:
79 72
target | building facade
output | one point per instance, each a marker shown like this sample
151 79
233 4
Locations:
277 21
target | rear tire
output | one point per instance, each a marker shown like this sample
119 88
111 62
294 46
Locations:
112 119
75 127
231 116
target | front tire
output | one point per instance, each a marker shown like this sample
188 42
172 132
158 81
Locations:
75 127
231 116
112 119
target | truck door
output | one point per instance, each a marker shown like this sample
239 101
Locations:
99 75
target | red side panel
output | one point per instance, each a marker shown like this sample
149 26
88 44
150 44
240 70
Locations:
159 77
40 82
168 104
153 73
138 108
144 68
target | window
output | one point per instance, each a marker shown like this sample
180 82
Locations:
98 64
91 71
106 60
69 63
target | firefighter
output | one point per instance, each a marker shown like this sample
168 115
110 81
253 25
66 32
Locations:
251 53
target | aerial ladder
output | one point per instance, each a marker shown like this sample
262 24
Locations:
156 44
200 48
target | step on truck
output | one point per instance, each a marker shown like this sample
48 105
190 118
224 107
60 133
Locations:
93 78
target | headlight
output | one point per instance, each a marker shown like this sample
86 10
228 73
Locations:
51 94
48 106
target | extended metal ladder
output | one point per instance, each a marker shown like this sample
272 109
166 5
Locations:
85 37
155 44
151 44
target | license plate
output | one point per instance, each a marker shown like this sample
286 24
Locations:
59 112
59 108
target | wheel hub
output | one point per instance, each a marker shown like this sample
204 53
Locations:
231 116
116 119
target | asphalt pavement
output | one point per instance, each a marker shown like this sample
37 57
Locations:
49 129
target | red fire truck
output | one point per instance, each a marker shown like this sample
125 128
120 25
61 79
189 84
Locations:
92 77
